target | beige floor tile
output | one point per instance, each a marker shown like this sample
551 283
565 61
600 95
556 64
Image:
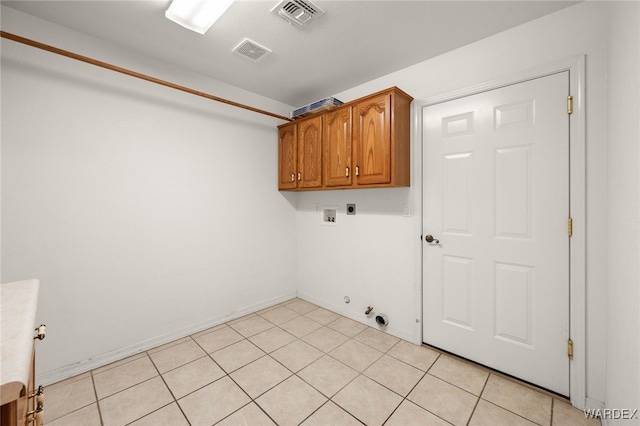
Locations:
291 401
331 414
301 306
328 375
394 374
272 339
242 318
356 355
259 376
325 339
170 415
566 415
192 376
444 400
249 415
418 356
347 326
322 316
251 326
218 339
168 345
519 399
87 416
460 373
377 339
237 355
135 402
119 363
368 401
487 414
297 355
209 330
68 396
409 414
279 315
300 326
177 355
123 376
213 403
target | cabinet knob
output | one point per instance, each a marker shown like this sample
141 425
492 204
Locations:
40 332
299 176
357 171
347 172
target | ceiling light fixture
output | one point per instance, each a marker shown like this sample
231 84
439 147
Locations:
196 15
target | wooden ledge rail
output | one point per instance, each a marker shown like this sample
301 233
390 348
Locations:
125 71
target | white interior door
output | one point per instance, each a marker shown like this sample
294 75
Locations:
496 199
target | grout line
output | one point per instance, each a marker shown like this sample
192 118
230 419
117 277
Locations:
95 393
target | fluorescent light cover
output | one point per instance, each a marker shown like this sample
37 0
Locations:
196 15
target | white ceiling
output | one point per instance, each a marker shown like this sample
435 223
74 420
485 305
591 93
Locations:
354 42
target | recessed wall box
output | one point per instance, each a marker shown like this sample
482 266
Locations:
329 215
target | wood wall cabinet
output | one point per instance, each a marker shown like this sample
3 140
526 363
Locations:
20 403
362 144
300 154
338 148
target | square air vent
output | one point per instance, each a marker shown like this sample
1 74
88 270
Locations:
251 50
299 12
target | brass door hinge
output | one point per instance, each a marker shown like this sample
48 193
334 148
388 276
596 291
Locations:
569 104
570 226
570 348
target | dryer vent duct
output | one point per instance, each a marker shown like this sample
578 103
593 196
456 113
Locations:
299 12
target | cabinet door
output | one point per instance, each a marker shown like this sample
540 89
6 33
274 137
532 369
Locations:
310 153
372 136
337 146
288 156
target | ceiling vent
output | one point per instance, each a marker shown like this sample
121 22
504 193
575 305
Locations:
251 50
299 12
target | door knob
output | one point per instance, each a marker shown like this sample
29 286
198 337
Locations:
430 239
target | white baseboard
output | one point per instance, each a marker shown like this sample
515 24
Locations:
68 371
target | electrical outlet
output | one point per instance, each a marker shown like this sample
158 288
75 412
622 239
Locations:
351 209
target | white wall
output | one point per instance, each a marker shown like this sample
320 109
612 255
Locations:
623 322
383 246
146 213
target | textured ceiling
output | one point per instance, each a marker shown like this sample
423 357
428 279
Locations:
354 42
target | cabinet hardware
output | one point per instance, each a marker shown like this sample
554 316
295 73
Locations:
347 172
36 415
41 331
299 176
357 171
38 394
293 177
570 348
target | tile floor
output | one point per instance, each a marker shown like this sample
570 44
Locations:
296 363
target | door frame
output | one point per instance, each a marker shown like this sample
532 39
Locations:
577 202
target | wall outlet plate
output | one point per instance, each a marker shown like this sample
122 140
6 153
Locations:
351 209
